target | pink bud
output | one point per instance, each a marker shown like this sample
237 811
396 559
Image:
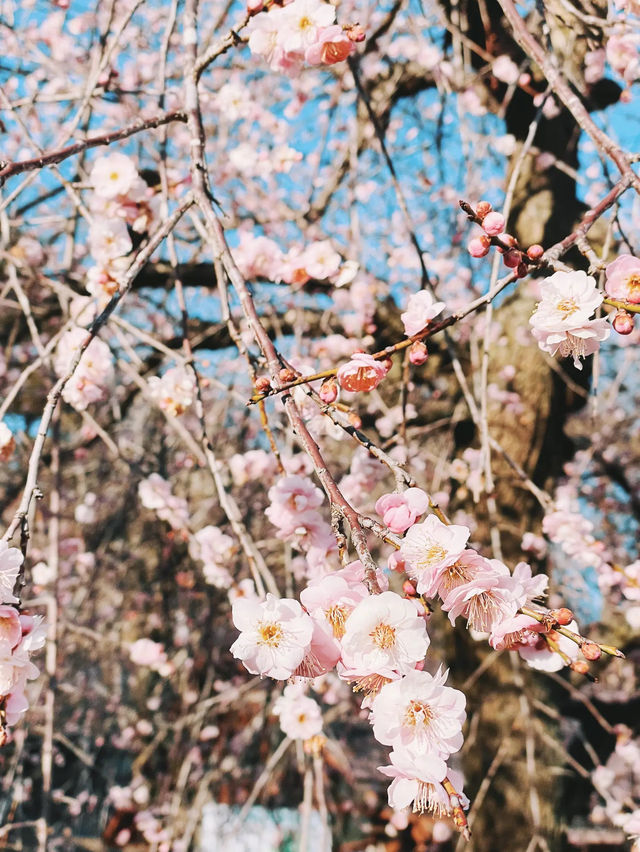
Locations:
328 391
482 209
535 252
418 353
623 322
409 589
493 223
479 246
512 258
508 240
590 651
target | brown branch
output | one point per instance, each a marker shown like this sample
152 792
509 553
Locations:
54 157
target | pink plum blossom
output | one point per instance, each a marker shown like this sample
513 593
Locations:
419 713
362 373
146 652
421 309
155 493
333 598
215 550
332 46
274 637
491 595
400 511
623 279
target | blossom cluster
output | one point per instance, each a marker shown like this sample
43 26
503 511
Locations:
94 375
300 31
121 204
378 642
258 256
174 391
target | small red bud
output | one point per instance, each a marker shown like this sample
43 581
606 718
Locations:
262 384
522 270
535 252
328 391
418 353
512 258
482 209
287 375
562 616
590 651
623 322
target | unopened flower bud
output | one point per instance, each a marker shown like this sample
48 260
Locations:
512 258
262 384
590 651
623 322
535 252
507 240
522 270
409 589
418 353
479 246
354 32
287 375
328 391
580 666
562 616
482 208
493 223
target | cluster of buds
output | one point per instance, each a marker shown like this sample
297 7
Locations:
493 225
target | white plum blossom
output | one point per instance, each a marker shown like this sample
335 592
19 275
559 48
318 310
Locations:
300 715
174 391
417 781
421 309
561 322
109 239
419 713
7 442
384 635
430 547
113 175
10 561
274 635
